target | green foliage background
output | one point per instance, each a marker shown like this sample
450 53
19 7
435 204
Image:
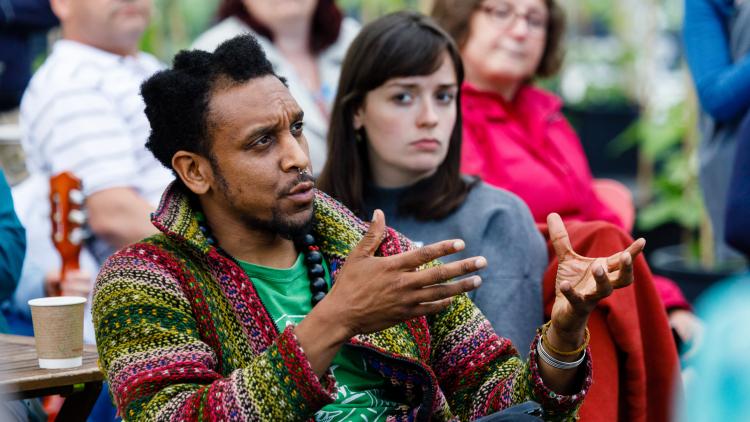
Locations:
176 23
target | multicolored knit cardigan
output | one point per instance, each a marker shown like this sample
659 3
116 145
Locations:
183 335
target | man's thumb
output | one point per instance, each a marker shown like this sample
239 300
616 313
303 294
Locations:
371 240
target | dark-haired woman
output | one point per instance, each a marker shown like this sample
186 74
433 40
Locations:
395 142
515 136
305 41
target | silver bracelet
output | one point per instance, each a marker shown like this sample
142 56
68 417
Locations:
555 363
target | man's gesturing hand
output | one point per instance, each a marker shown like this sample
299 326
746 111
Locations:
583 281
580 284
373 293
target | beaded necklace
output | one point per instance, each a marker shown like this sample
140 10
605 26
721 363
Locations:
313 258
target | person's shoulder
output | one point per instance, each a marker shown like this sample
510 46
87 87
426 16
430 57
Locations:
493 198
217 34
538 91
156 258
146 267
723 9
48 96
497 215
540 97
60 74
349 29
479 106
150 61
65 72
155 248
338 230
337 51
492 205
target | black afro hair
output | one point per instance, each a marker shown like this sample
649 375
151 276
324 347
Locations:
177 99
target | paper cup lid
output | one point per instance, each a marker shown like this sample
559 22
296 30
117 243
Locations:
57 301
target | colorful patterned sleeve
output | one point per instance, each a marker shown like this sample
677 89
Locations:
482 373
159 368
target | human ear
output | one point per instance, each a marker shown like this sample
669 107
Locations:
61 8
194 170
358 118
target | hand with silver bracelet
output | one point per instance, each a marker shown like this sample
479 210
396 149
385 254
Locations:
581 283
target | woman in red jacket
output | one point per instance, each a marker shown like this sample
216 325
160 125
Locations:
515 135
516 138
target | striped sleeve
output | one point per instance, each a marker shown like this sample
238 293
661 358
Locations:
81 130
159 368
482 373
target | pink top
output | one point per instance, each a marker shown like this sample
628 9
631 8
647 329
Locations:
528 148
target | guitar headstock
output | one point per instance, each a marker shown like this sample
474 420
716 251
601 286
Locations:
68 218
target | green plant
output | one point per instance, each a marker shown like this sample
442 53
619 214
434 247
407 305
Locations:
669 175
367 10
175 24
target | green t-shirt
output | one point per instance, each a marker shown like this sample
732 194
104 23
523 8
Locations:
286 295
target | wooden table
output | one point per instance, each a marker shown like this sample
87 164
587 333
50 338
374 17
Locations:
21 377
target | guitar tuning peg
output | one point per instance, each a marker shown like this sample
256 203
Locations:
77 217
77 236
76 196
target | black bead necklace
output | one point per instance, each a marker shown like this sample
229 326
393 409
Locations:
313 259
314 262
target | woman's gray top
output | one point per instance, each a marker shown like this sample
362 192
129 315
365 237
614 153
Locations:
495 224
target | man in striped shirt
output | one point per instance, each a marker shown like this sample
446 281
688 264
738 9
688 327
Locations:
82 112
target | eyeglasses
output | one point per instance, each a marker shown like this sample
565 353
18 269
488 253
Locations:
505 15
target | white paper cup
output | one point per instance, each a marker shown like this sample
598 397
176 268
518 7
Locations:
58 331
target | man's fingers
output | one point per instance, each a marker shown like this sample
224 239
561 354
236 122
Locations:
446 290
430 308
371 240
569 292
603 284
625 278
445 272
558 235
420 256
635 248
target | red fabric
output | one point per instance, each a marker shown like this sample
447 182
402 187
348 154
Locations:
634 357
528 148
